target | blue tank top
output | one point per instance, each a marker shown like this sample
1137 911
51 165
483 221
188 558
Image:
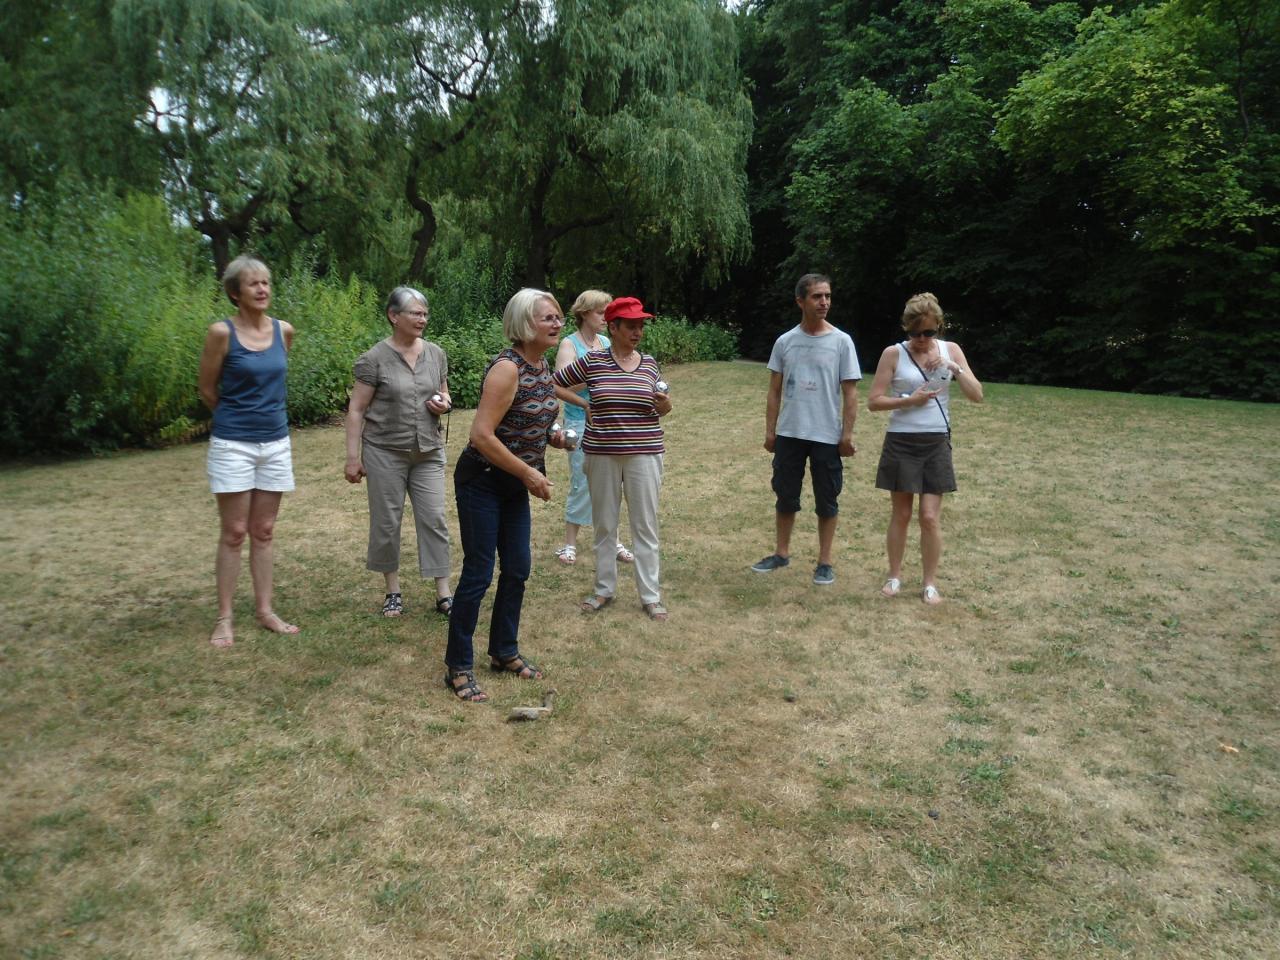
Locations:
251 399
580 350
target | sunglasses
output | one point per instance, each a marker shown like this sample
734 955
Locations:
922 333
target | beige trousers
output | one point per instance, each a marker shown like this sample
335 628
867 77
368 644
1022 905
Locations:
390 474
638 478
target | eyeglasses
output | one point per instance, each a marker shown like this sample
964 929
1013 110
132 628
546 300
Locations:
416 314
552 318
922 333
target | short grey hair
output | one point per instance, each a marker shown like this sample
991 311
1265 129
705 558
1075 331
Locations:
400 298
517 318
236 269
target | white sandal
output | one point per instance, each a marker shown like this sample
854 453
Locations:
567 554
891 587
625 555
931 595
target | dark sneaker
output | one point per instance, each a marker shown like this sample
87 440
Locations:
770 563
823 575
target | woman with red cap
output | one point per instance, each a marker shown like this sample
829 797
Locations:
623 451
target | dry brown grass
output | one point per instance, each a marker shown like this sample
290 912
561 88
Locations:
752 779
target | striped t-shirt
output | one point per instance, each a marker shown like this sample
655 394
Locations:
624 421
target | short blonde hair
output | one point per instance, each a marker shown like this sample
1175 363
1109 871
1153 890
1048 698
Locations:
587 301
920 307
517 318
236 269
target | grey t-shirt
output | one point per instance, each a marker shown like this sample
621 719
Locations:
812 369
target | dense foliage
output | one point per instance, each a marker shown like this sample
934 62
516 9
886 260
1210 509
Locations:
102 324
1093 191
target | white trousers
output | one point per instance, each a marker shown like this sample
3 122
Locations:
638 478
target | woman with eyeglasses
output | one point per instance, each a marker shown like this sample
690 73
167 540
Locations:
913 381
503 463
394 439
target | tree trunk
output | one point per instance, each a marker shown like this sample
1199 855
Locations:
423 237
540 233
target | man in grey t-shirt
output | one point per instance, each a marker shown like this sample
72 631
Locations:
809 416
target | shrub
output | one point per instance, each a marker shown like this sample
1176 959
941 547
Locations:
101 322
469 347
335 322
675 340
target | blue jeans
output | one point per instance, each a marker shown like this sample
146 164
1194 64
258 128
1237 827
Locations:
494 521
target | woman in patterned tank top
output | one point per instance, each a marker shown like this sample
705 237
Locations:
502 464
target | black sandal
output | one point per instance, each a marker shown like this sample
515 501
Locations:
393 605
468 692
444 605
522 668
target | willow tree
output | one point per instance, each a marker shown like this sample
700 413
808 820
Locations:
254 104
620 143
68 99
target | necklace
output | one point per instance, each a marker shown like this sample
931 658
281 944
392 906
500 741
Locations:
634 355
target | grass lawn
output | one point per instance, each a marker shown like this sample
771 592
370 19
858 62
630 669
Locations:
1076 755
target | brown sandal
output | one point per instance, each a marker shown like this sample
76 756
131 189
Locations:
522 668
595 603
468 692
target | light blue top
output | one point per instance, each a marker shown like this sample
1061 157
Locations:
580 350
812 369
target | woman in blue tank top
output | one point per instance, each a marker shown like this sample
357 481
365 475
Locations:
242 380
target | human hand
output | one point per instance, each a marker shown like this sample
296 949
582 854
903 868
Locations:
925 392
662 403
537 483
770 440
353 471
440 404
847 448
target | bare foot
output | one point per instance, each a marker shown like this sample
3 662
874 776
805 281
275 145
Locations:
222 635
276 624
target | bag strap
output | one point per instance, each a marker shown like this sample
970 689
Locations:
941 410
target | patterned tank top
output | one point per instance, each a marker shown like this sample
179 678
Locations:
533 410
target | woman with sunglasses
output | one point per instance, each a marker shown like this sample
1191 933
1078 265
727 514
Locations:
913 381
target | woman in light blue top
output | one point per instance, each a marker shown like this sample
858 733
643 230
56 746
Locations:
242 380
588 314
913 381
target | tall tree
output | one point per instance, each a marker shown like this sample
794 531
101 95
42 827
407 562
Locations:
68 98
254 105
626 130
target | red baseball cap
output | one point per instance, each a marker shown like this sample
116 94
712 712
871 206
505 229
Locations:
625 308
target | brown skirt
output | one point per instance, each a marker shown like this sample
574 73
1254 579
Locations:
916 463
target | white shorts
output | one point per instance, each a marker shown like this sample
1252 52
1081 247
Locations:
236 466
